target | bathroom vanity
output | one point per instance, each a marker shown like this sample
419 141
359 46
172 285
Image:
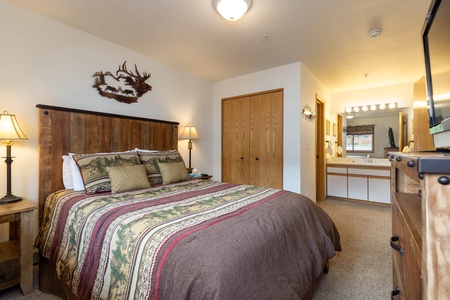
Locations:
359 179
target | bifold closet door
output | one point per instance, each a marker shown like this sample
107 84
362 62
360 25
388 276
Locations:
252 139
266 139
235 141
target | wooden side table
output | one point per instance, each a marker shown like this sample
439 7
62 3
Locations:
16 255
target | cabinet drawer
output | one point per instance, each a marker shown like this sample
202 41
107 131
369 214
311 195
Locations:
407 275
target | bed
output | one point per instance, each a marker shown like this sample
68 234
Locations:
175 239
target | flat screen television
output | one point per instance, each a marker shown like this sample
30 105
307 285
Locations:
436 45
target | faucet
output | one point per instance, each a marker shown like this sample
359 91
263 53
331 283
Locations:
368 158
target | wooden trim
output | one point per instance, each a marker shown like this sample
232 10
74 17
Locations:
43 106
254 94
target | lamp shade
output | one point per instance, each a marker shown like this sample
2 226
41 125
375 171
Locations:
233 10
190 133
9 128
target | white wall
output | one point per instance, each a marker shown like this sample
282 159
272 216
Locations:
310 88
46 62
286 77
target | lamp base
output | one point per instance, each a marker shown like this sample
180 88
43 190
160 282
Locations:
9 198
189 170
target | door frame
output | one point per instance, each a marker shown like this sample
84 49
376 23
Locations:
320 150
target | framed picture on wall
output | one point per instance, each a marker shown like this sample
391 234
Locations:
334 129
327 127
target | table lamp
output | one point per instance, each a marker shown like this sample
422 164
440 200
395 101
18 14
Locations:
9 132
190 133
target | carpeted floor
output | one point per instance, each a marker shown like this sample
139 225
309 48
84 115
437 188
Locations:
363 269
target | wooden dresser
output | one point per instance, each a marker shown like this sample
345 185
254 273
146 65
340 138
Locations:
420 197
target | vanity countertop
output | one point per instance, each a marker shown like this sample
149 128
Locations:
363 162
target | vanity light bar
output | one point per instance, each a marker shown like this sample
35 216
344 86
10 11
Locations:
372 107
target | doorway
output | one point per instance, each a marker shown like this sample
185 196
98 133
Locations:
320 150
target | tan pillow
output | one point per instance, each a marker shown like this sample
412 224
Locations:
173 172
128 178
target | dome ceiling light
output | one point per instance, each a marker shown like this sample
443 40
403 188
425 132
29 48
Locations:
232 10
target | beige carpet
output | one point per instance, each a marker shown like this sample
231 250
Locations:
362 270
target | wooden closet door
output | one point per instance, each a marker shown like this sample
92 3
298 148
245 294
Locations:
235 140
266 139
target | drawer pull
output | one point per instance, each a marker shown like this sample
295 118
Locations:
395 292
444 180
395 246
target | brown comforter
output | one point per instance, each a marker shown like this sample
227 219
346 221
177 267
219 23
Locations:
191 240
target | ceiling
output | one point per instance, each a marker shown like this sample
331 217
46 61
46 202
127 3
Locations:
328 36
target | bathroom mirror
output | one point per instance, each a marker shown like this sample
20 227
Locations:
399 119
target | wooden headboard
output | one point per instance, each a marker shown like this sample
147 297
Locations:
63 130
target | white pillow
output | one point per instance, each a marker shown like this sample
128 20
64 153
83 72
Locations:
67 173
77 180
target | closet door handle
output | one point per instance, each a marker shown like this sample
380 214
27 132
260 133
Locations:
395 246
257 158
242 158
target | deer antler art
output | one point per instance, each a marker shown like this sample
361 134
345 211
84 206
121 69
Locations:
136 82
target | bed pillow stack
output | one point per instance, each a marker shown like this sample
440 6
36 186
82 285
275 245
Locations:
152 161
93 168
122 171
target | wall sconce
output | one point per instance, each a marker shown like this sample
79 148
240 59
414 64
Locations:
232 10
308 113
190 133
9 132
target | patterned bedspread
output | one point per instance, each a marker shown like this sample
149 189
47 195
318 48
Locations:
191 240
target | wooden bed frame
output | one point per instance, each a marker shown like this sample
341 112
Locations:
63 130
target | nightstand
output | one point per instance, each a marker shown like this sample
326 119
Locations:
16 255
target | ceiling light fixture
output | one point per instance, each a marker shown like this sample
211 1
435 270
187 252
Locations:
232 10
374 33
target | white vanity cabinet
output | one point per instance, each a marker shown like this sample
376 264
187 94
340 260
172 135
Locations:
357 187
337 181
359 181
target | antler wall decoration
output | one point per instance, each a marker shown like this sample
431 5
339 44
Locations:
124 87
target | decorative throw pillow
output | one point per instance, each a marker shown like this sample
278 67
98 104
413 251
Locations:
93 168
128 178
173 172
151 160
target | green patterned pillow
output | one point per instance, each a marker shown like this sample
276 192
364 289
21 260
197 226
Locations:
128 178
93 168
173 172
152 159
